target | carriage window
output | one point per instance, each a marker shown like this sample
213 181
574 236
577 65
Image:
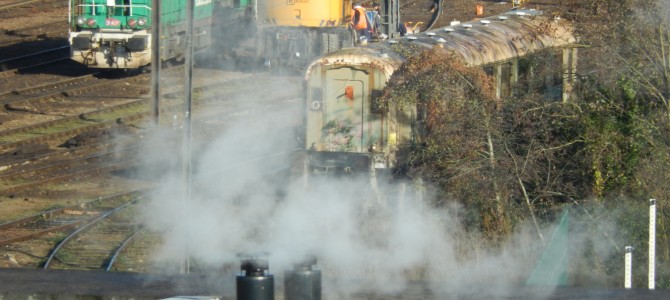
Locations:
488 70
376 106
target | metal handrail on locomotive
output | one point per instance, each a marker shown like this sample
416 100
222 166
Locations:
345 130
117 33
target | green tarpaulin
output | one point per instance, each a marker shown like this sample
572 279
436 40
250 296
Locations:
552 268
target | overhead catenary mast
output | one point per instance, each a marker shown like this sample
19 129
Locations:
155 59
186 141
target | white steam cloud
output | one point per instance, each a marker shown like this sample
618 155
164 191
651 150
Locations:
362 244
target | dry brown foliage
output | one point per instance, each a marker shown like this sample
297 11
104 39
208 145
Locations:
456 108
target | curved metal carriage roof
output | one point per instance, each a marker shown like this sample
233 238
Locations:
478 42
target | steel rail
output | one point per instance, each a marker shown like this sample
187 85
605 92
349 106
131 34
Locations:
50 214
117 252
34 54
11 72
85 227
20 3
60 164
34 27
63 178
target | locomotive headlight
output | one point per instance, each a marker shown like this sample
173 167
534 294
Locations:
132 22
90 22
81 20
142 21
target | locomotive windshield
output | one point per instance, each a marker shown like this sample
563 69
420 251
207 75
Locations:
112 14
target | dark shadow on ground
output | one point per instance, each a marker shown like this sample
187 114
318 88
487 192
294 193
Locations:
21 49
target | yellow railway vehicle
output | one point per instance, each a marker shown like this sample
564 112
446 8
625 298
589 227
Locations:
308 13
292 33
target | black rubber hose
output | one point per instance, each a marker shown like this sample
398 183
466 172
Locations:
436 9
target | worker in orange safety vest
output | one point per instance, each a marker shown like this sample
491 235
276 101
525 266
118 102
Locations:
359 22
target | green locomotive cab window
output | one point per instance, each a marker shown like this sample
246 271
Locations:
126 8
119 8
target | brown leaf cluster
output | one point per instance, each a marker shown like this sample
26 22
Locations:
456 108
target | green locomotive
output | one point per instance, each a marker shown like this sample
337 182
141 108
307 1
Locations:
117 33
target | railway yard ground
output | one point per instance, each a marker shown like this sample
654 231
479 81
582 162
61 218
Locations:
70 138
65 90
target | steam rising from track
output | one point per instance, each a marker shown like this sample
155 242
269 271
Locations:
361 244
364 242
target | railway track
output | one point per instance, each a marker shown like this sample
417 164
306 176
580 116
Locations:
50 102
107 240
117 158
43 72
64 171
34 33
49 90
101 234
34 235
13 4
11 66
56 219
128 111
215 104
59 132
89 247
13 8
134 253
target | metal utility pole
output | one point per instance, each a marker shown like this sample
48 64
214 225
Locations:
156 59
188 94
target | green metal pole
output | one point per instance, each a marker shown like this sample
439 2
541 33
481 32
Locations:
155 58
188 93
